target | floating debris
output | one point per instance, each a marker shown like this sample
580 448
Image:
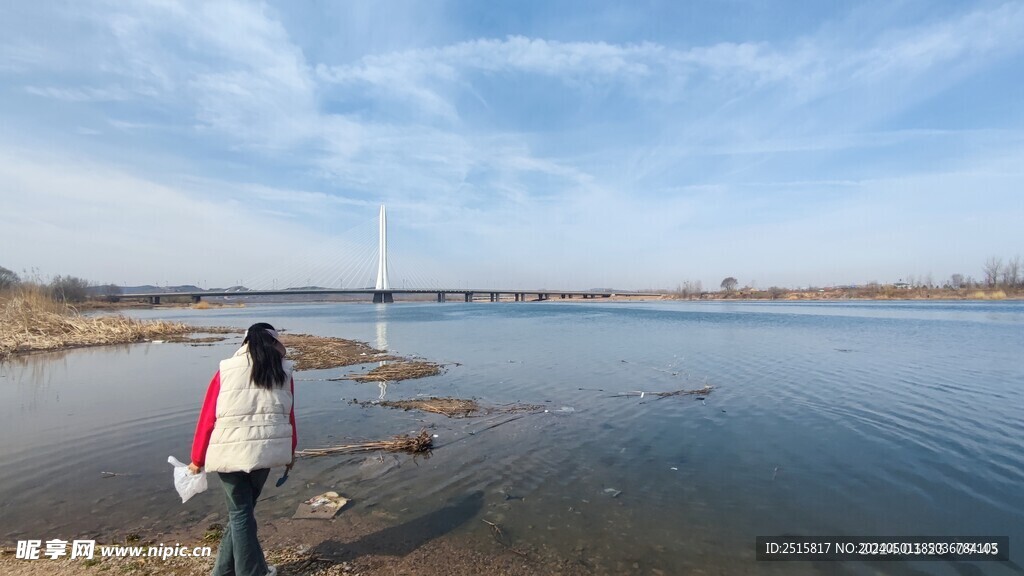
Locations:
401 443
701 393
203 340
106 475
450 407
399 370
323 506
453 407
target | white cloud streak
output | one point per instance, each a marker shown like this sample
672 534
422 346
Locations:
686 127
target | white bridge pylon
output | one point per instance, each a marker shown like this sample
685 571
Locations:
382 289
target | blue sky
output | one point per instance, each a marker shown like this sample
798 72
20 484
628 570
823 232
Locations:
526 144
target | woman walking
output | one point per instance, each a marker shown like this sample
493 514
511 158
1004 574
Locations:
247 427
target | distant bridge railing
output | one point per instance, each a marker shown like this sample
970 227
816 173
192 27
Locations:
381 296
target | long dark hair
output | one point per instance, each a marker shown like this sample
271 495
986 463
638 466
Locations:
267 371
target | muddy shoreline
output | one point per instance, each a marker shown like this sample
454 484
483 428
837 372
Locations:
444 541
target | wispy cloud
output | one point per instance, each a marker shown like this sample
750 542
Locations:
84 94
480 142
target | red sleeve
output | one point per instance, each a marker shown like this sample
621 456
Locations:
291 418
207 417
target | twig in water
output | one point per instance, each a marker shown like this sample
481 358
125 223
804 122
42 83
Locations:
774 472
497 529
499 537
497 424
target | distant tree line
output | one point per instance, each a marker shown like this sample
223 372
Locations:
61 288
996 274
8 279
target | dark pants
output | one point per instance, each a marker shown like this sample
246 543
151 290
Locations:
240 553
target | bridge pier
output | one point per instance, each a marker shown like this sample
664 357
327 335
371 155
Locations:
196 298
441 297
383 297
469 296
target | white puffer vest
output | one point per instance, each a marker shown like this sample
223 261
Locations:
253 429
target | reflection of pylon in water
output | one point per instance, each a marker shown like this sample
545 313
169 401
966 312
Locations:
383 286
382 345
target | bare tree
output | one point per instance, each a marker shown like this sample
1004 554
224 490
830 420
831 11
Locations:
992 267
8 279
1011 272
69 289
956 281
729 284
691 289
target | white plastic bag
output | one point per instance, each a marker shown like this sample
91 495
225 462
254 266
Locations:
187 483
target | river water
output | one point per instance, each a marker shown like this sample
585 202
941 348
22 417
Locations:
863 418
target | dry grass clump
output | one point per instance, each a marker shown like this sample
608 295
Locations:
31 321
450 407
454 407
207 305
399 370
319 352
993 295
401 443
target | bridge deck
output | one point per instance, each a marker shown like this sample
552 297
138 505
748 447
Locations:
469 293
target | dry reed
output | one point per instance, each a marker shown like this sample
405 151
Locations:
399 370
450 407
453 407
319 352
401 443
31 321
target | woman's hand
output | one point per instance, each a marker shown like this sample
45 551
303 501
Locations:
194 468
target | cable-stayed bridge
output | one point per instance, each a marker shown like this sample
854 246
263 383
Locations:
352 275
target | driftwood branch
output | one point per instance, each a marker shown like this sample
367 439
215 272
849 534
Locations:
698 392
402 443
